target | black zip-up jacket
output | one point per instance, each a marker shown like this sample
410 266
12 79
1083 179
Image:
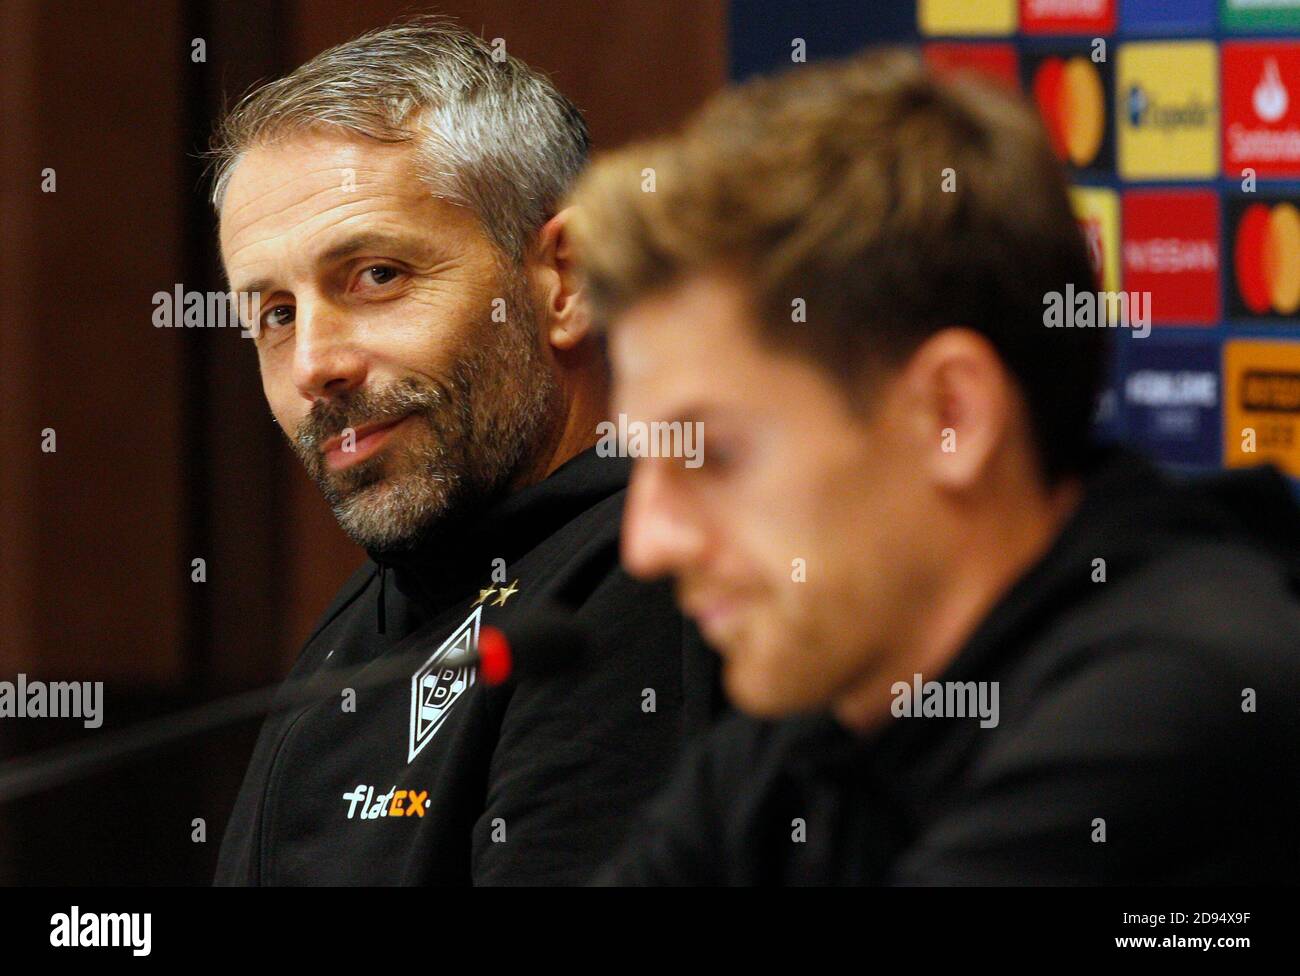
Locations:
1149 726
442 780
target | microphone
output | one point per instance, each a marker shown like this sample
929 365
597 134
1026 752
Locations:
543 643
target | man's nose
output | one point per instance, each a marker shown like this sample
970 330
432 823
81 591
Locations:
661 534
326 358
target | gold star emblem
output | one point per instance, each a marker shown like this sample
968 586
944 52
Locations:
483 595
505 594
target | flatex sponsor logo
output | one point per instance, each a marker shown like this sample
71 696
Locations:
364 803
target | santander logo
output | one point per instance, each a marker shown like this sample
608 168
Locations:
1261 124
1270 97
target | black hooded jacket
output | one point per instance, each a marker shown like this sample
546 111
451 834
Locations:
1148 727
442 780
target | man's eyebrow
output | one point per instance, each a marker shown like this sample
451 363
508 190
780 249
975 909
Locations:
356 244
372 240
258 287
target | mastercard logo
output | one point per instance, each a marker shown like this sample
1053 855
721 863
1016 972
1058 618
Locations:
1072 101
1268 258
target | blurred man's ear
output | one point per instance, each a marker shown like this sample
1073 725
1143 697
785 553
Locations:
567 320
961 404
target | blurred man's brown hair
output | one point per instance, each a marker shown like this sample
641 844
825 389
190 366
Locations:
884 202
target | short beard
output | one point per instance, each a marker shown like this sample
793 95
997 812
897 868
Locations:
484 427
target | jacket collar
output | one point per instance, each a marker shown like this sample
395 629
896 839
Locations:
1130 513
509 527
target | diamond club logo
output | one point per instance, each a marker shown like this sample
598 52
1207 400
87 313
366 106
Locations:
435 689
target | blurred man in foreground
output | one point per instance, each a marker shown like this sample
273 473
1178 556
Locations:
995 654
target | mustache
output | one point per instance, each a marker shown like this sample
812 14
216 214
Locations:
330 418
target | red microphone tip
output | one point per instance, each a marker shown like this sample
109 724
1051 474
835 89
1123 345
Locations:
493 655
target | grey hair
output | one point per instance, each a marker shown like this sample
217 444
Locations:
491 133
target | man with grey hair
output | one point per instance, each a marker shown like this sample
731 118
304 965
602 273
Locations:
423 344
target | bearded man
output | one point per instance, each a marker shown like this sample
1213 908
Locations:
423 344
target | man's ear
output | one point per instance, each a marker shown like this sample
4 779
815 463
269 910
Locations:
566 312
961 403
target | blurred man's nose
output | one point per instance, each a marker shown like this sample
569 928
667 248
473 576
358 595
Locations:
661 534
327 361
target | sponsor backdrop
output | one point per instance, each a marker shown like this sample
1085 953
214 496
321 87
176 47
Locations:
1179 121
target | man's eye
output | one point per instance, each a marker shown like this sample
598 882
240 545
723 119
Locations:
277 317
379 274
